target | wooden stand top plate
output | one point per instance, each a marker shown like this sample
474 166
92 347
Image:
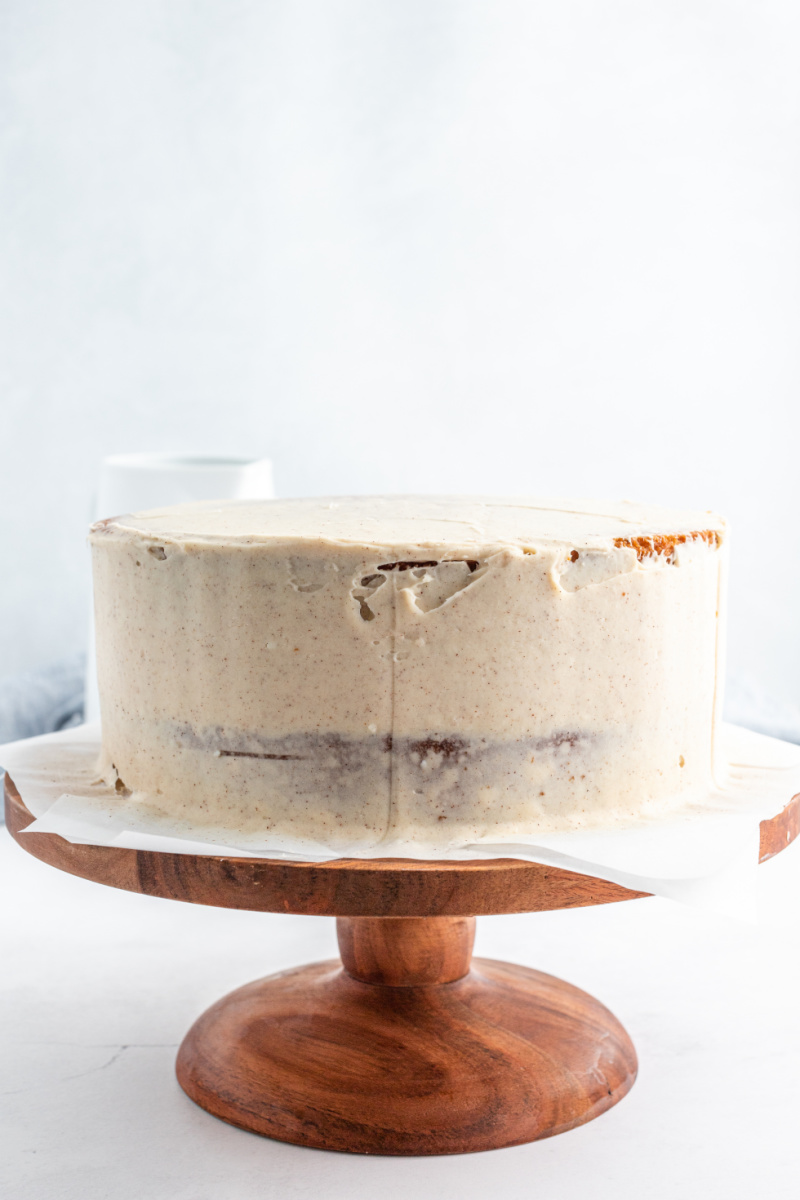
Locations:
345 887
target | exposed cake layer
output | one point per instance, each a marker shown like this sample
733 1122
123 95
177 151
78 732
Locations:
450 669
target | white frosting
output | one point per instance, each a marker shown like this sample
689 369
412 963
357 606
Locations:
457 522
283 665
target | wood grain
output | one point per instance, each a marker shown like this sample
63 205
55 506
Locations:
401 1048
344 887
501 1056
406 951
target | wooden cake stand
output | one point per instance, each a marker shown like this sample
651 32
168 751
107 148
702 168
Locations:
406 1046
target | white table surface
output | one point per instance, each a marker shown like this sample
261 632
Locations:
99 987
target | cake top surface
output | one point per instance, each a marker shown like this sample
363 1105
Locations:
455 522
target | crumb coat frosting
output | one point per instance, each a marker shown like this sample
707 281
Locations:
364 670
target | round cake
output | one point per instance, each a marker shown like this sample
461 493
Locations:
431 671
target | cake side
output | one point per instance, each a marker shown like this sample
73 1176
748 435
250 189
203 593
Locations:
347 693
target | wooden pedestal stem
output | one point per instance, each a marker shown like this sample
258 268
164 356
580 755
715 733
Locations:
406 951
406 1045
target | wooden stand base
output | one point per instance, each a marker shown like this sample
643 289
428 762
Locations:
402 1048
405 1049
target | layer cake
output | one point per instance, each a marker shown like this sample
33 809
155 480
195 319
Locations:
432 671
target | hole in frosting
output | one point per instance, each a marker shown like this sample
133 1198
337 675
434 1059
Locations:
157 552
472 563
408 566
257 754
364 591
119 786
665 545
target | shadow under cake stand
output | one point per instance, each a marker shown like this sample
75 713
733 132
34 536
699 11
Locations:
408 1045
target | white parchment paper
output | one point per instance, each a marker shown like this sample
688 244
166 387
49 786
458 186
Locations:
705 855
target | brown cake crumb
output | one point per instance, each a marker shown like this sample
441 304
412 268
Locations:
665 543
